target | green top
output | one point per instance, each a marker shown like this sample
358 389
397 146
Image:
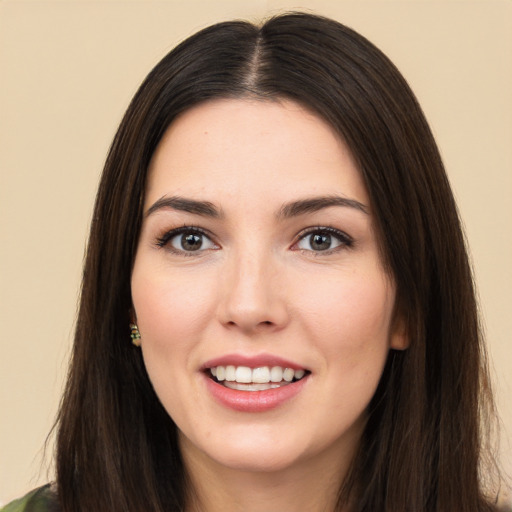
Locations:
42 499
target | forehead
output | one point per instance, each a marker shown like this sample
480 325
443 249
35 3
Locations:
249 148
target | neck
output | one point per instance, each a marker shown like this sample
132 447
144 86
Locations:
312 485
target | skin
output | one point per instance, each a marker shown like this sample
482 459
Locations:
258 286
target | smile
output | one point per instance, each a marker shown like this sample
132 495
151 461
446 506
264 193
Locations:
244 378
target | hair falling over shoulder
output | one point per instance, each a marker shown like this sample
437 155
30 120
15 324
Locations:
423 448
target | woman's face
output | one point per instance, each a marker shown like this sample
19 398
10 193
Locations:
258 263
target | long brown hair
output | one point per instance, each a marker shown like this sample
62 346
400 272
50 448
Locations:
117 447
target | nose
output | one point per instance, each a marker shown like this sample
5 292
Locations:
253 294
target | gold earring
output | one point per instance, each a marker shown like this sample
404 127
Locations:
135 334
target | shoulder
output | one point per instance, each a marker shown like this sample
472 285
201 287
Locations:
42 499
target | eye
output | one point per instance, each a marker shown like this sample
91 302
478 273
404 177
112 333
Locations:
186 240
323 240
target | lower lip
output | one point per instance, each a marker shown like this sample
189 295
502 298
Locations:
254 401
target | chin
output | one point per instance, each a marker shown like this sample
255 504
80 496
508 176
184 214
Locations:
256 460
253 453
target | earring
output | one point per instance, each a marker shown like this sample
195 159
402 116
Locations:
135 334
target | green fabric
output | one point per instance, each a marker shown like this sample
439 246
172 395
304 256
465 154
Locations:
42 499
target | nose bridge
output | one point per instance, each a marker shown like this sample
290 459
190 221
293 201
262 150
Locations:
251 296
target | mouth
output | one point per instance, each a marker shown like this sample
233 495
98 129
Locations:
262 378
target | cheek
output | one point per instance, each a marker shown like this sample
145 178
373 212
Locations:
349 322
171 307
172 311
351 314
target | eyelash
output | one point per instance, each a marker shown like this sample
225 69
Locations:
345 241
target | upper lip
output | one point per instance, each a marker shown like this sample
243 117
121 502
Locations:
254 361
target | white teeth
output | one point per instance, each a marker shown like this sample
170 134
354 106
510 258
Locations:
288 374
276 374
254 387
230 373
299 374
243 374
221 373
258 376
261 375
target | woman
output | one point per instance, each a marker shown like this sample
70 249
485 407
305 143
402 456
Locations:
275 231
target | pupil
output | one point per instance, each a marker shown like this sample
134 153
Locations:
191 242
321 242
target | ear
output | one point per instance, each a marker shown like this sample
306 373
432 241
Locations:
399 336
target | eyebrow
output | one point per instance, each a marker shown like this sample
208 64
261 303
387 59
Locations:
182 204
288 210
314 204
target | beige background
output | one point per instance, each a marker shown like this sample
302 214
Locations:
67 72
